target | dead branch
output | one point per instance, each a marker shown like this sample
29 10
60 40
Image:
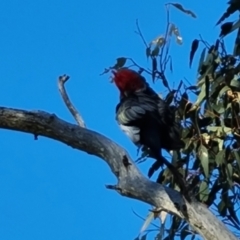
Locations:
131 183
61 81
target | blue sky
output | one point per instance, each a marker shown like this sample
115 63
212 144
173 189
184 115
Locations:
48 190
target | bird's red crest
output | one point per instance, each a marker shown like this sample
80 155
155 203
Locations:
128 80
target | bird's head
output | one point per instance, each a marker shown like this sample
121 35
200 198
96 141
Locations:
128 81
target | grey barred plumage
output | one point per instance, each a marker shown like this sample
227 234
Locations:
136 109
147 119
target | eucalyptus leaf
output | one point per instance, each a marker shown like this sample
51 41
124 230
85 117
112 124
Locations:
235 83
144 237
201 95
203 191
120 62
148 52
194 48
222 208
181 8
220 157
203 156
201 60
237 156
223 90
229 172
234 6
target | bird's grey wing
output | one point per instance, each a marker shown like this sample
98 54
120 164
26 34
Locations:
129 113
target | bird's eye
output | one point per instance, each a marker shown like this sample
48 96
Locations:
135 86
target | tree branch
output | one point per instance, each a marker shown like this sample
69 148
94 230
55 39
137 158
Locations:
131 183
61 81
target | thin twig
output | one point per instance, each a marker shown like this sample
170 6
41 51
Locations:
135 64
207 45
168 39
72 109
163 59
139 32
153 224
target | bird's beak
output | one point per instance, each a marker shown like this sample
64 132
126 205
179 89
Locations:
113 77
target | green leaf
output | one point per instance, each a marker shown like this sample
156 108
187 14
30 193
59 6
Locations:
207 83
226 29
194 48
181 8
234 6
148 52
147 221
207 67
201 95
203 156
235 83
215 85
185 133
201 59
223 90
229 27
183 104
201 79
144 237
237 156
169 97
220 157
229 172
222 208
203 191
212 128
194 88
220 144
188 145
219 108
120 62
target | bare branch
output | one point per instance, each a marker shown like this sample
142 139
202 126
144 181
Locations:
136 65
61 81
139 32
131 183
167 43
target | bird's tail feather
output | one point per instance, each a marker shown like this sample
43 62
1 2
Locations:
180 181
172 137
